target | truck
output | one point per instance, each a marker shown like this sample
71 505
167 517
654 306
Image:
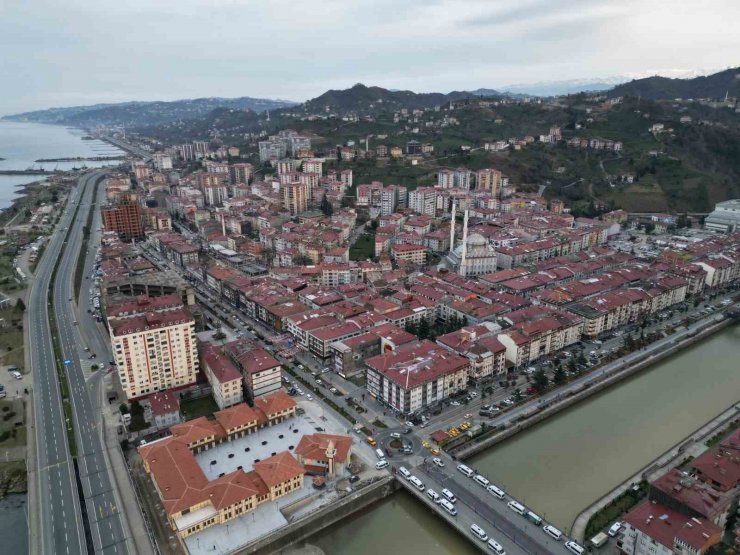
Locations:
599 539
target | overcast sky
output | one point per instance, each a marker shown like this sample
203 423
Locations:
71 52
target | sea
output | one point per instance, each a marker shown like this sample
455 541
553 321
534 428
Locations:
14 523
22 143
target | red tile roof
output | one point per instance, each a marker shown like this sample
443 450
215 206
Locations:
149 321
315 446
221 366
238 416
665 525
274 403
278 469
165 402
417 363
719 466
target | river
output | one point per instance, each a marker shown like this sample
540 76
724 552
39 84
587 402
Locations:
21 144
567 462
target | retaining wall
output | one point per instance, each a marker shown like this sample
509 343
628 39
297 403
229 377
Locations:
308 526
471 449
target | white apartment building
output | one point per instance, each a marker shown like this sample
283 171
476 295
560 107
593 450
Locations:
423 200
154 351
162 161
416 375
224 377
313 165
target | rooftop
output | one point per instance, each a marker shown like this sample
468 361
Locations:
416 363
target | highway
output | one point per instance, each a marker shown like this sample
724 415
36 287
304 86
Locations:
60 521
108 527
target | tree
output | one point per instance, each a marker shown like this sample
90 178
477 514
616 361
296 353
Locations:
517 395
302 260
559 377
423 330
326 206
582 358
20 306
540 381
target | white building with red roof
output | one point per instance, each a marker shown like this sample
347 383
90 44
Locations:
154 345
324 453
223 375
164 408
416 375
190 499
654 529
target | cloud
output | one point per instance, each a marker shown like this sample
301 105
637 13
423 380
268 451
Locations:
77 51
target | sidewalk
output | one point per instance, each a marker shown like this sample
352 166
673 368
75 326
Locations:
116 462
693 446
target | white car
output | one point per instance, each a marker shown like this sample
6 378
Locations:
309 397
614 530
17 375
473 394
396 435
508 401
409 424
439 462
454 404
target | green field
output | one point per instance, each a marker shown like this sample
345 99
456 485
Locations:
194 408
12 422
363 248
11 338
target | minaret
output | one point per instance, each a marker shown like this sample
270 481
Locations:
452 228
223 223
461 271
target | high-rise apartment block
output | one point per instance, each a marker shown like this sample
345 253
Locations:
241 173
489 180
154 344
296 197
125 218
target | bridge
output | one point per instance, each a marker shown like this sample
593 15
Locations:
517 534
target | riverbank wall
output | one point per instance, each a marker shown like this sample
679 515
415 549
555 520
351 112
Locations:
689 447
474 447
308 526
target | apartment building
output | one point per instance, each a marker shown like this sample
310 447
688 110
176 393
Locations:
489 180
416 375
536 332
415 254
655 529
241 173
261 372
487 355
611 310
224 377
423 200
295 197
125 219
154 345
